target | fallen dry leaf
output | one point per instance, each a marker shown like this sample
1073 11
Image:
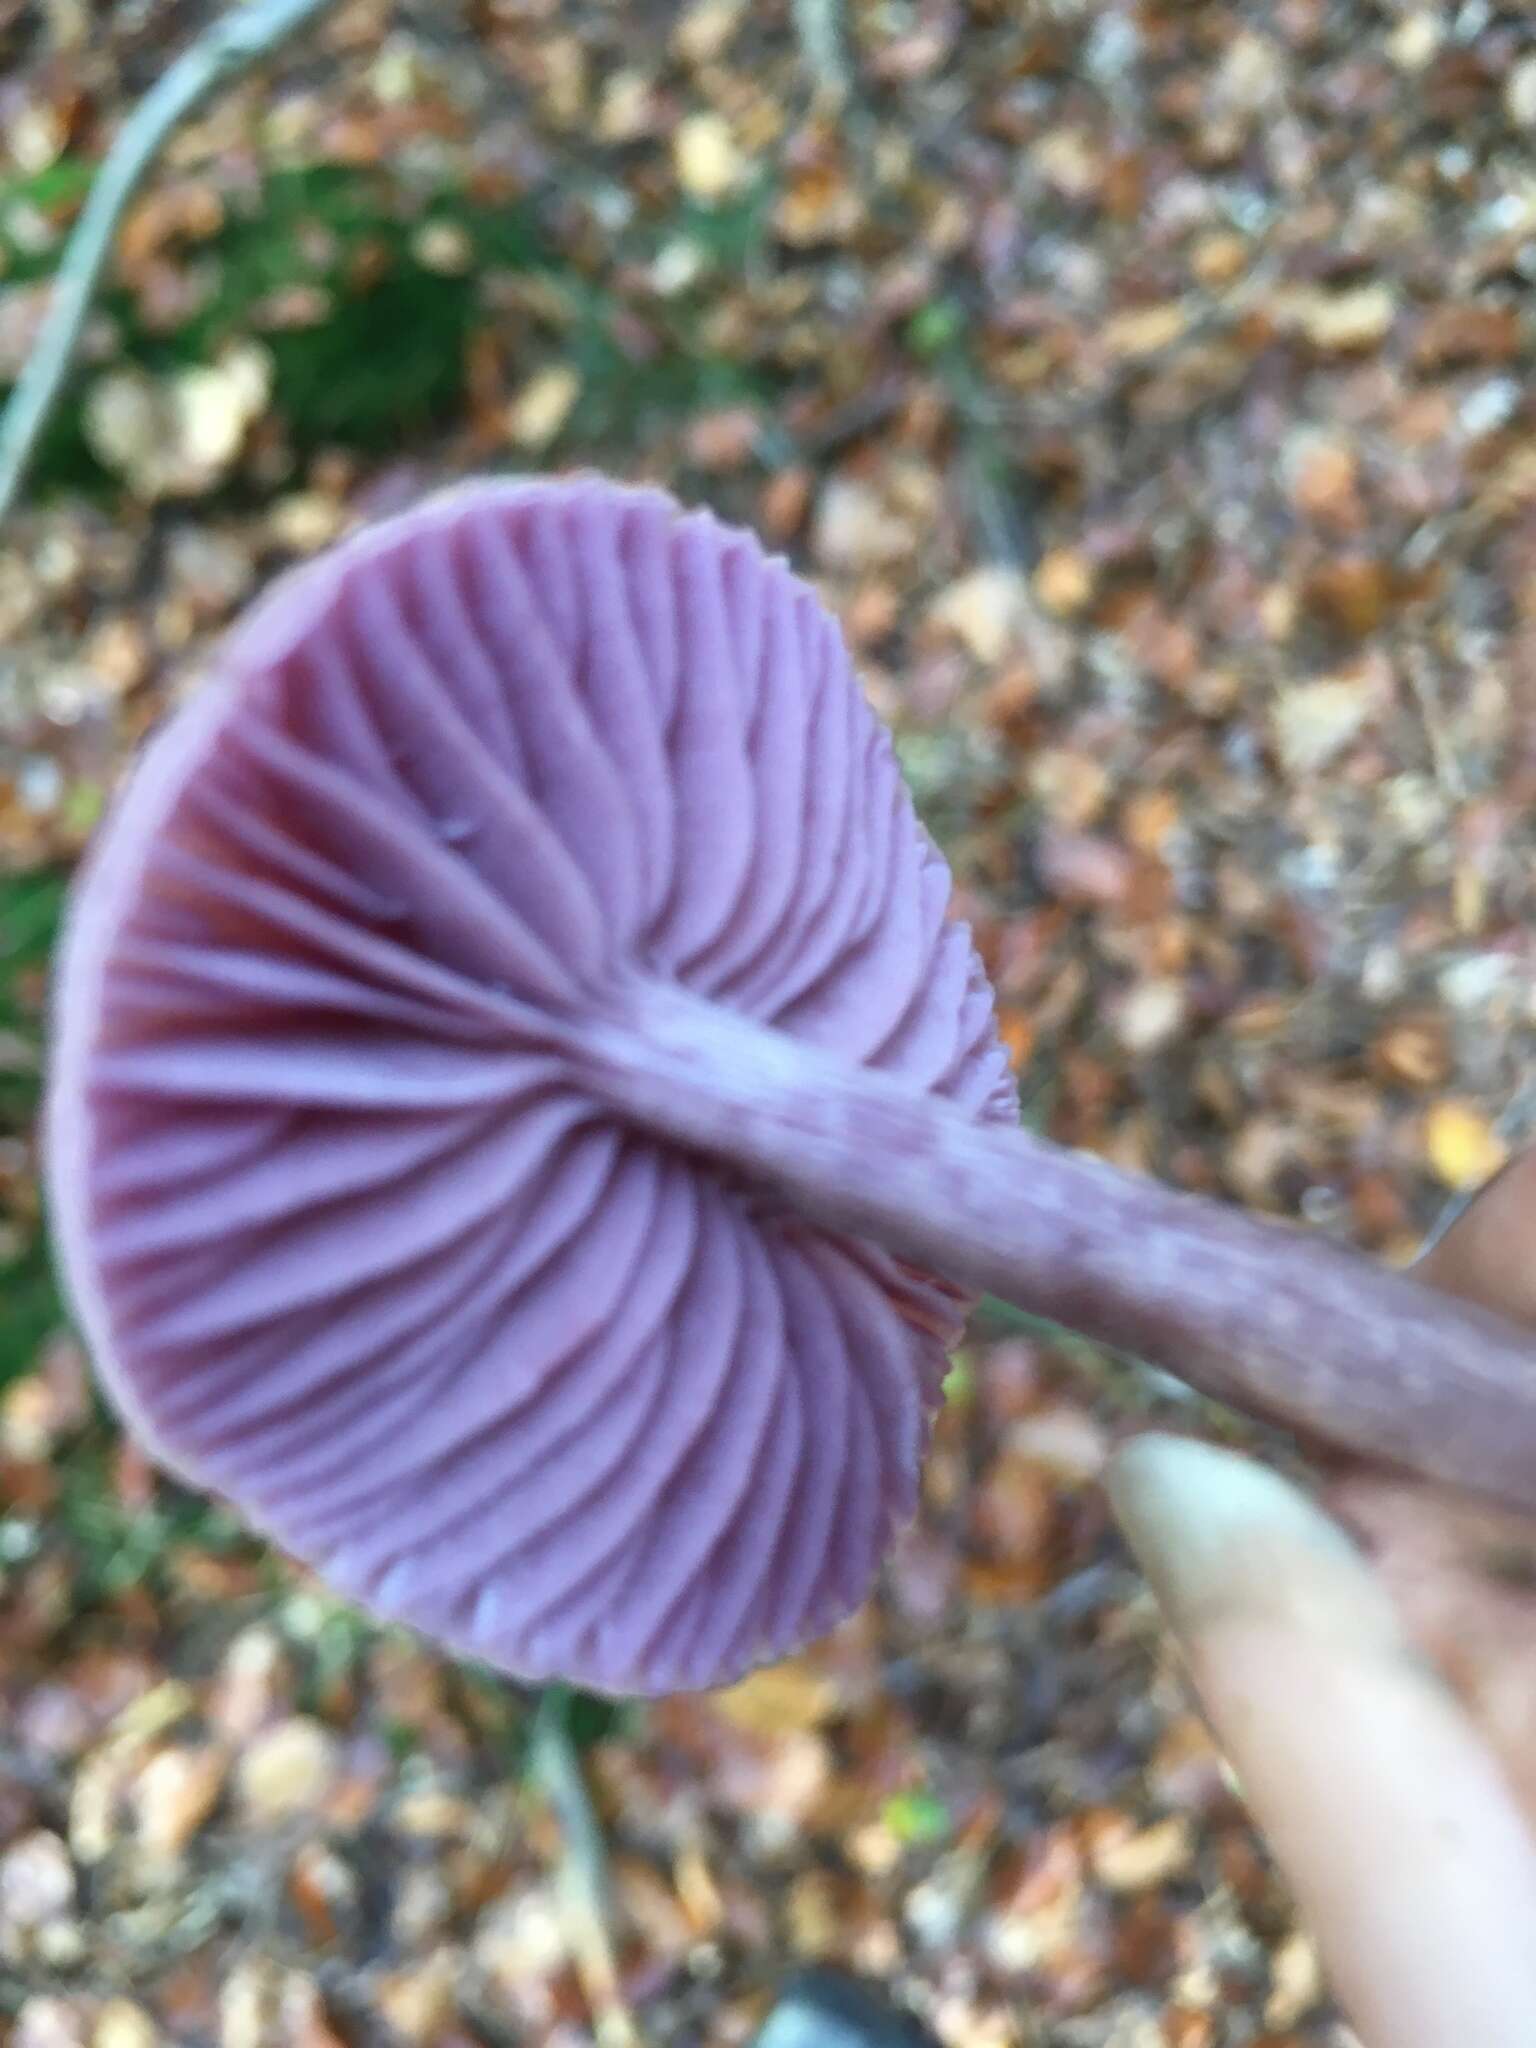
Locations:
540 410
1461 1145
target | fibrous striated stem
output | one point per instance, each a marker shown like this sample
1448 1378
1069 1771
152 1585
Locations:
1259 1314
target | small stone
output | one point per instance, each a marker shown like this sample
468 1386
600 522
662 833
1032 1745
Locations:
121 2024
49 2023
704 32
724 440
1150 1015
1415 42
422 1909
785 500
678 266
1149 819
55 1721
1070 162
1064 582
1145 332
541 409
1083 867
986 611
1249 74
37 1882
421 2004
855 529
121 420
287 1771
1416 1052
61 1944
1263 1150
38 136
117 654
566 74
935 1910
1314 722
1490 405
1520 93
1349 322
250 2006
520 1938
627 108
29 1420
1322 475
433 1815
1147 1857
305 521
175 1793
1476 981
398 74
1066 1441
875 1849
709 165
212 570
1296 1981
1277 611
1072 785
254 1683
1219 258
444 247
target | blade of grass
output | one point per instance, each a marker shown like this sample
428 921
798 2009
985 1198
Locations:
582 1881
234 43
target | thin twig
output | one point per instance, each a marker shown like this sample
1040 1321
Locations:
1001 517
823 48
1442 752
226 51
583 1888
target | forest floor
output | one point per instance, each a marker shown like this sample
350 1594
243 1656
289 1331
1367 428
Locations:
1149 389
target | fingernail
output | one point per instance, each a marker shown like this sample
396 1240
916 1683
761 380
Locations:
1218 1535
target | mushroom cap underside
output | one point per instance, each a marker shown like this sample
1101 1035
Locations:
354 1235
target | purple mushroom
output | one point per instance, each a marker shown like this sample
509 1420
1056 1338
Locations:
524 1124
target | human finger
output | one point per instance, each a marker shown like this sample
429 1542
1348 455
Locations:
1389 1815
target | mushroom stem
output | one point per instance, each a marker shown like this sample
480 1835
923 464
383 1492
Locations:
1259 1314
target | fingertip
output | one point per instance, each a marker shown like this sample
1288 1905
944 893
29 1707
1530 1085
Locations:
1387 1812
1220 1535
1481 1253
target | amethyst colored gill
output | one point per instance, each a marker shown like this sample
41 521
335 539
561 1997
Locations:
353 1236
523 1121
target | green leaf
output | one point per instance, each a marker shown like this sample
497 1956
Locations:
916 1818
959 1386
31 905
